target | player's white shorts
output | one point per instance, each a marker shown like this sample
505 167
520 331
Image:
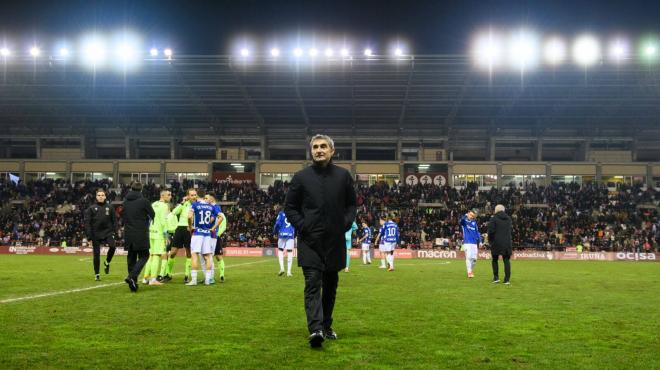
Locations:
365 246
471 251
202 244
387 247
283 244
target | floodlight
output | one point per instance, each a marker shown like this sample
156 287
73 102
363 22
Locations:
586 50
153 52
618 50
329 52
168 53
275 52
554 51
367 52
5 52
523 50
313 52
94 51
487 50
297 52
245 52
35 51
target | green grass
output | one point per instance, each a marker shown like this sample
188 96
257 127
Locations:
556 314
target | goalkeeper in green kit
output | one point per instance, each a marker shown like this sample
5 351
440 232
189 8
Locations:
155 270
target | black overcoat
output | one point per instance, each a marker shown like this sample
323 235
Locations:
137 215
499 234
321 205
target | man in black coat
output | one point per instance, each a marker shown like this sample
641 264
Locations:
321 205
137 215
100 227
499 238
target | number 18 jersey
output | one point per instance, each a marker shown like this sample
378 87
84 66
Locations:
204 216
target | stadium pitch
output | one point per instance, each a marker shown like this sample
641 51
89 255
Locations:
426 314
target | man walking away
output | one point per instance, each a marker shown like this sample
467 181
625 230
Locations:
499 237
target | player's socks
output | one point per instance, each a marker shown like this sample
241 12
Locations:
188 266
468 264
348 258
280 256
383 264
155 264
390 259
163 267
208 276
221 265
170 265
193 277
147 270
290 262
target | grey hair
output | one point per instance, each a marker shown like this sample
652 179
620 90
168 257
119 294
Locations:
322 137
499 208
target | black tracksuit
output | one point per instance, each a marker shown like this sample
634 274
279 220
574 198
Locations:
100 227
499 238
321 204
136 216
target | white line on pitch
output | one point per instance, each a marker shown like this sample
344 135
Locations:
50 294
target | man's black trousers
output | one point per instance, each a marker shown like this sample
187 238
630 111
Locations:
320 293
135 265
96 246
507 266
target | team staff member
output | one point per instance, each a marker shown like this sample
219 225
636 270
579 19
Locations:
321 204
137 216
100 227
499 238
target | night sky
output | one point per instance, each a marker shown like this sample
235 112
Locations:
429 27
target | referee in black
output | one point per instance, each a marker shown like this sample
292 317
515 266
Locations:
136 216
100 227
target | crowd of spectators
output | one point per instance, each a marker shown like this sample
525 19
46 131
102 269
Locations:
49 212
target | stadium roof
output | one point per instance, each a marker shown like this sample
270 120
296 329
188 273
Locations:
437 93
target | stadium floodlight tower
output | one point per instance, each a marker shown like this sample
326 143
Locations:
368 52
5 52
586 51
298 52
168 53
153 52
275 52
64 52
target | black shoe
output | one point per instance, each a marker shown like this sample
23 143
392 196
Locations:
167 278
159 279
330 334
132 285
185 279
97 277
222 278
106 267
280 273
316 339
